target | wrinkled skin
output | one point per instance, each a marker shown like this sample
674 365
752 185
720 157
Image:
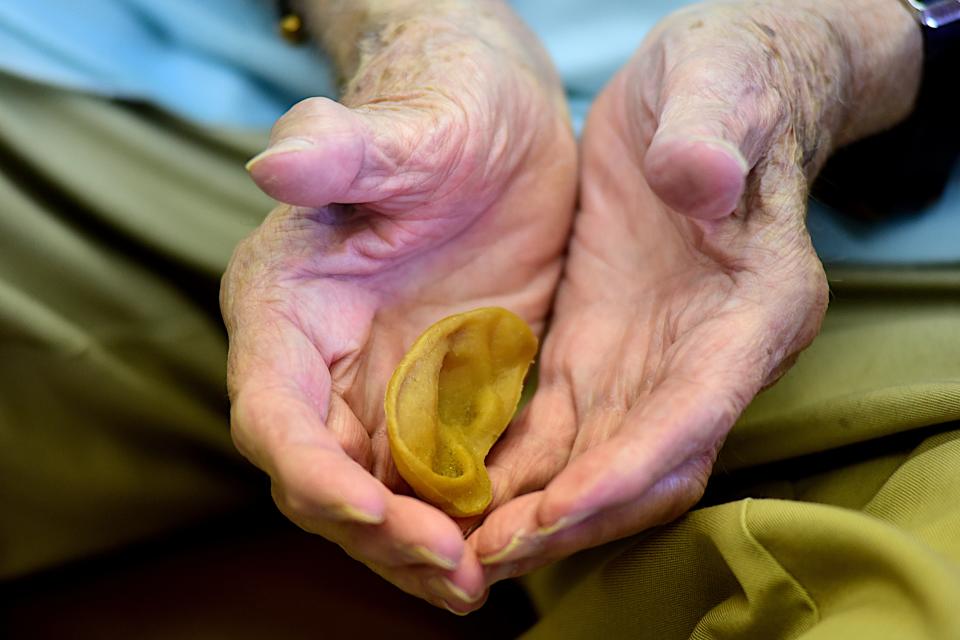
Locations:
690 281
467 195
672 313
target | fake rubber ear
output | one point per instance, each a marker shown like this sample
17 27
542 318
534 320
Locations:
449 400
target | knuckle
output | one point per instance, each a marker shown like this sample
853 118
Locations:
257 422
303 114
240 422
291 502
313 103
306 107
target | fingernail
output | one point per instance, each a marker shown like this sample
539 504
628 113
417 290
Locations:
665 137
499 556
565 522
353 514
426 555
521 538
731 149
445 589
454 611
283 146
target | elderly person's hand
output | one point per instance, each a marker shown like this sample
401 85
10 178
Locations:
691 281
444 181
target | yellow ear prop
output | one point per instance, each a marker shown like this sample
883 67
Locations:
449 400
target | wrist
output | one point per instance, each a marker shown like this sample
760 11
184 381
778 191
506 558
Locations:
885 54
354 31
847 70
344 28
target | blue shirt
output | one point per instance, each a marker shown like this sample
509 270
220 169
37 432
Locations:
221 62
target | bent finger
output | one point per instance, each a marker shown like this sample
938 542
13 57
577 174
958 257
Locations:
536 447
322 152
716 115
513 541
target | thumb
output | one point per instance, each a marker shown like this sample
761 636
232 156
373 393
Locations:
322 152
713 126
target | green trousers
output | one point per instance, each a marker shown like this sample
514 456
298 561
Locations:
834 511
115 225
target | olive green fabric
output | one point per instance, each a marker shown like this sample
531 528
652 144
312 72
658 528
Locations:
835 508
887 360
834 512
115 225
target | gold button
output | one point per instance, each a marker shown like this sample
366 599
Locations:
291 28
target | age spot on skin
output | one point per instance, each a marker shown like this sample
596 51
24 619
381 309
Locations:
770 33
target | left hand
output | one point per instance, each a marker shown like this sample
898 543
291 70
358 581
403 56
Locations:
691 282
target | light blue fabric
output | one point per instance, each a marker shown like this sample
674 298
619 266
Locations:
215 61
589 40
221 61
927 237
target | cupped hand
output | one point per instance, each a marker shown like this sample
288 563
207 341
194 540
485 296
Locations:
691 281
443 181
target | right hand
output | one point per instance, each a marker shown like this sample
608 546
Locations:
444 181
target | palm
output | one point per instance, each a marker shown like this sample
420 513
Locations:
664 328
507 253
466 202
671 303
